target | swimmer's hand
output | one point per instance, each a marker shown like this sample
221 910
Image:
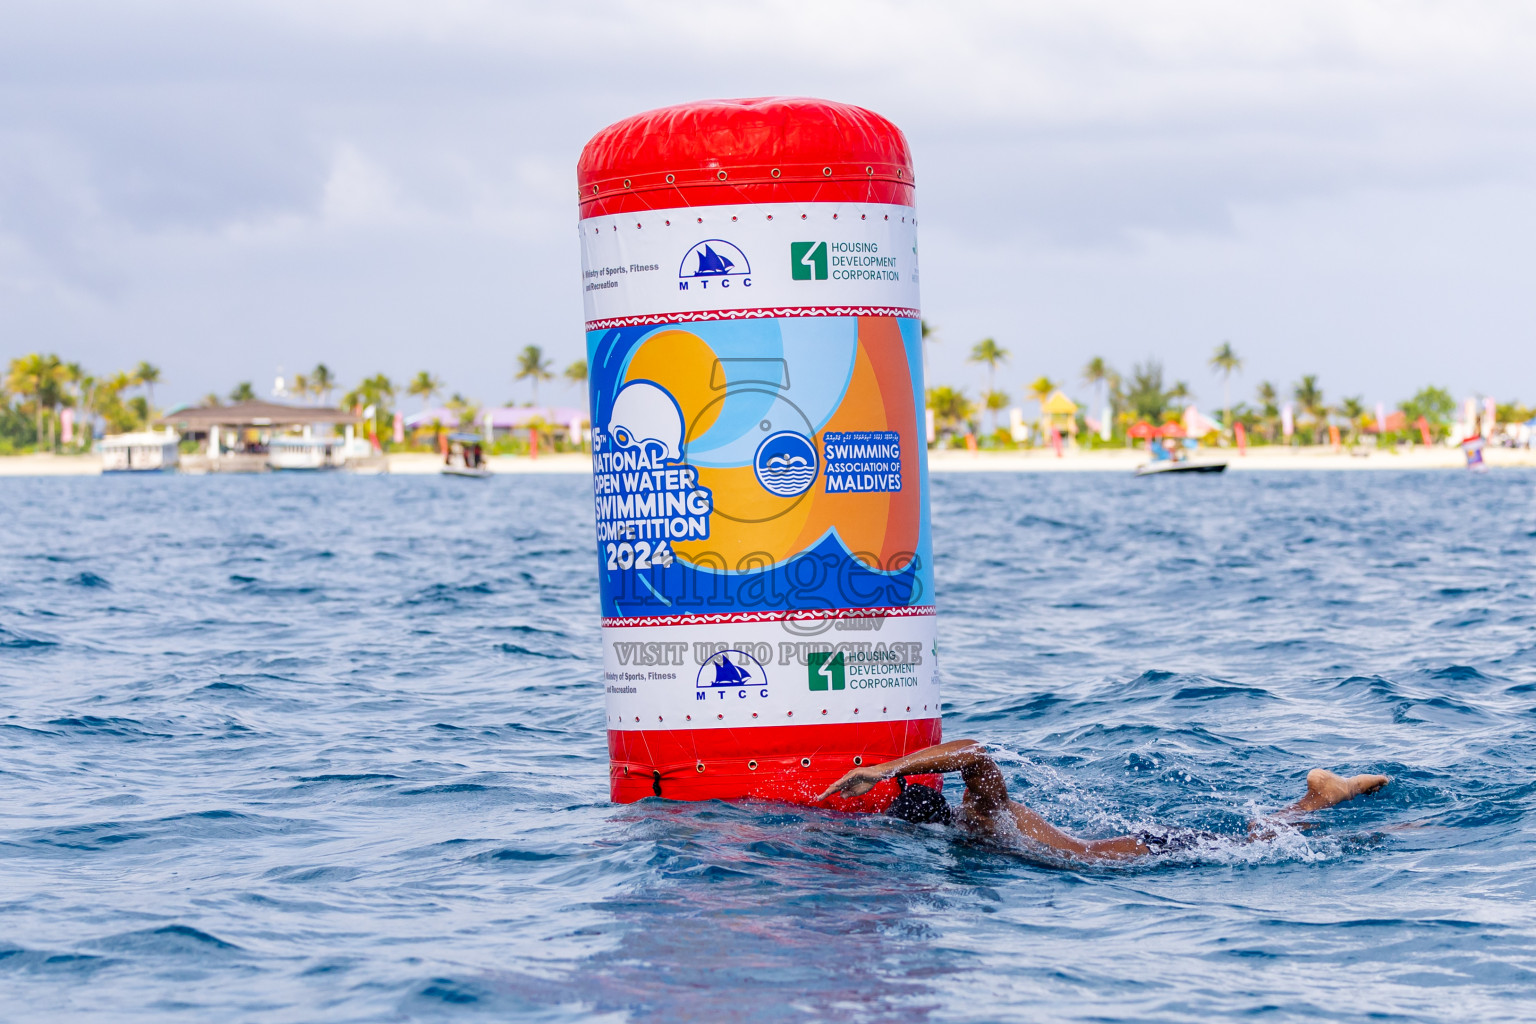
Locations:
855 783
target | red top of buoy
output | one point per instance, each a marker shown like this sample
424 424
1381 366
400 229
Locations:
770 150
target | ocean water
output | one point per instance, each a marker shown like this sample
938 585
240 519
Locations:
331 749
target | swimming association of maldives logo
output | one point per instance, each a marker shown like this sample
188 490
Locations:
786 464
717 260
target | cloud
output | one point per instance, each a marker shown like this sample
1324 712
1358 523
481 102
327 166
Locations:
305 159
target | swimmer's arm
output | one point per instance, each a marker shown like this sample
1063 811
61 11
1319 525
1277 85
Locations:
986 791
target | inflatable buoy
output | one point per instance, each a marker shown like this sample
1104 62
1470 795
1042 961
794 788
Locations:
750 276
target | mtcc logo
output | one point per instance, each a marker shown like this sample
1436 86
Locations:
733 671
786 464
808 261
717 260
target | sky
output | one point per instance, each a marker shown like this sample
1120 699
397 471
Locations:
1344 188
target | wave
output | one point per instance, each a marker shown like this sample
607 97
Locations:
799 476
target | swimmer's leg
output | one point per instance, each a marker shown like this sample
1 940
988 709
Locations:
1324 790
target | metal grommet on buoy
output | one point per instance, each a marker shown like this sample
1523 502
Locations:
805 762
626 183
699 767
751 766
720 175
869 170
594 190
827 171
857 760
671 178
774 172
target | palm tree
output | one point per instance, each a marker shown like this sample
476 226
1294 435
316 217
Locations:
1178 393
1041 389
377 391
927 330
243 392
1226 363
212 401
531 365
41 378
425 386
576 373
1353 410
322 380
1269 407
121 416
1146 397
1309 398
148 375
951 408
75 379
462 410
1097 373
989 352
995 402
23 378
85 399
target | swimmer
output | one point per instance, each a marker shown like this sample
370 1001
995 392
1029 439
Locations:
986 809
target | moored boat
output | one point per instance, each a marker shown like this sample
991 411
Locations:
1162 466
147 451
304 454
464 455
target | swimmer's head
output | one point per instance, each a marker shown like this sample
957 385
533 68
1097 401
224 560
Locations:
922 804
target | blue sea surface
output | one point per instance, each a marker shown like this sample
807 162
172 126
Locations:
331 748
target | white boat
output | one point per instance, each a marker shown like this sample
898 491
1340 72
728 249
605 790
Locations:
1162 466
465 456
148 451
305 454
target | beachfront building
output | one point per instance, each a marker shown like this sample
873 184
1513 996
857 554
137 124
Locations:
253 437
561 424
1058 414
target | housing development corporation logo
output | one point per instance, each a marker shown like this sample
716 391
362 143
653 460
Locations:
840 261
808 261
717 260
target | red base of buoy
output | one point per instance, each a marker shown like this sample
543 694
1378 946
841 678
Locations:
792 764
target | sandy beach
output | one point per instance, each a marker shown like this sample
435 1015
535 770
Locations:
949 461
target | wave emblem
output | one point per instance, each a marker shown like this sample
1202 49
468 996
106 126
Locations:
786 464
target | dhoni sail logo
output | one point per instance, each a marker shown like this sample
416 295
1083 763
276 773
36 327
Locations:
733 669
714 259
